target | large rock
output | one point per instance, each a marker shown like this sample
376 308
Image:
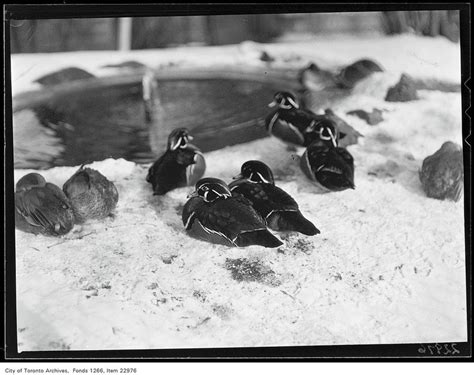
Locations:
403 91
442 174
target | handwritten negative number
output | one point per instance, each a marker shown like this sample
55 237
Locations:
449 349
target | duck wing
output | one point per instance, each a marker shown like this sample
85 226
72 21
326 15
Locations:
167 173
195 164
45 207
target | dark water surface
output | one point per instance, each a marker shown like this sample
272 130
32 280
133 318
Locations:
109 122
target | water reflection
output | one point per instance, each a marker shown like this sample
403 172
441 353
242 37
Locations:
109 122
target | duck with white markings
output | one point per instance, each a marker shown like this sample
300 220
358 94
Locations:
278 208
215 215
181 165
292 124
328 166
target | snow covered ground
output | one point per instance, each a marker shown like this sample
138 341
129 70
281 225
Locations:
388 266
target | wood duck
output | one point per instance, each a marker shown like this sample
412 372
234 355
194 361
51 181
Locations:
181 165
291 124
41 207
277 207
215 215
329 167
91 194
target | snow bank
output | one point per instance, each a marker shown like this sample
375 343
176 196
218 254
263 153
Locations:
388 266
417 56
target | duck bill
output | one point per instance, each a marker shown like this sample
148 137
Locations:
272 104
238 177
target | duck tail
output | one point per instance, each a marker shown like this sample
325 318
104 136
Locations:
295 221
261 237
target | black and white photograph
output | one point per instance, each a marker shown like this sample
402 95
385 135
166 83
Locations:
250 180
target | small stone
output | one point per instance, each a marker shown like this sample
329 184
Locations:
442 173
152 286
130 64
372 118
403 91
168 258
264 56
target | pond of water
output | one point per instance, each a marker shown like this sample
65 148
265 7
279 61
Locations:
109 122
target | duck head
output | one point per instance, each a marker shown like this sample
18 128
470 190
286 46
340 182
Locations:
324 130
30 180
256 171
284 100
211 189
179 138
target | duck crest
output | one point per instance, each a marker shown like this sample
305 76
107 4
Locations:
182 164
299 126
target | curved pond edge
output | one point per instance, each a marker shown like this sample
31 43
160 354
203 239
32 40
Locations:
285 78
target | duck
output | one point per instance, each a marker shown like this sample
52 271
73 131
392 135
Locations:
329 167
314 78
41 207
348 76
291 124
215 215
91 194
182 164
277 207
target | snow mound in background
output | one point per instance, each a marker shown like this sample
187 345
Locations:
420 57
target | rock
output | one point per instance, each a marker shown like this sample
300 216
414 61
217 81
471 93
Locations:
347 134
264 56
442 174
372 118
403 91
64 75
